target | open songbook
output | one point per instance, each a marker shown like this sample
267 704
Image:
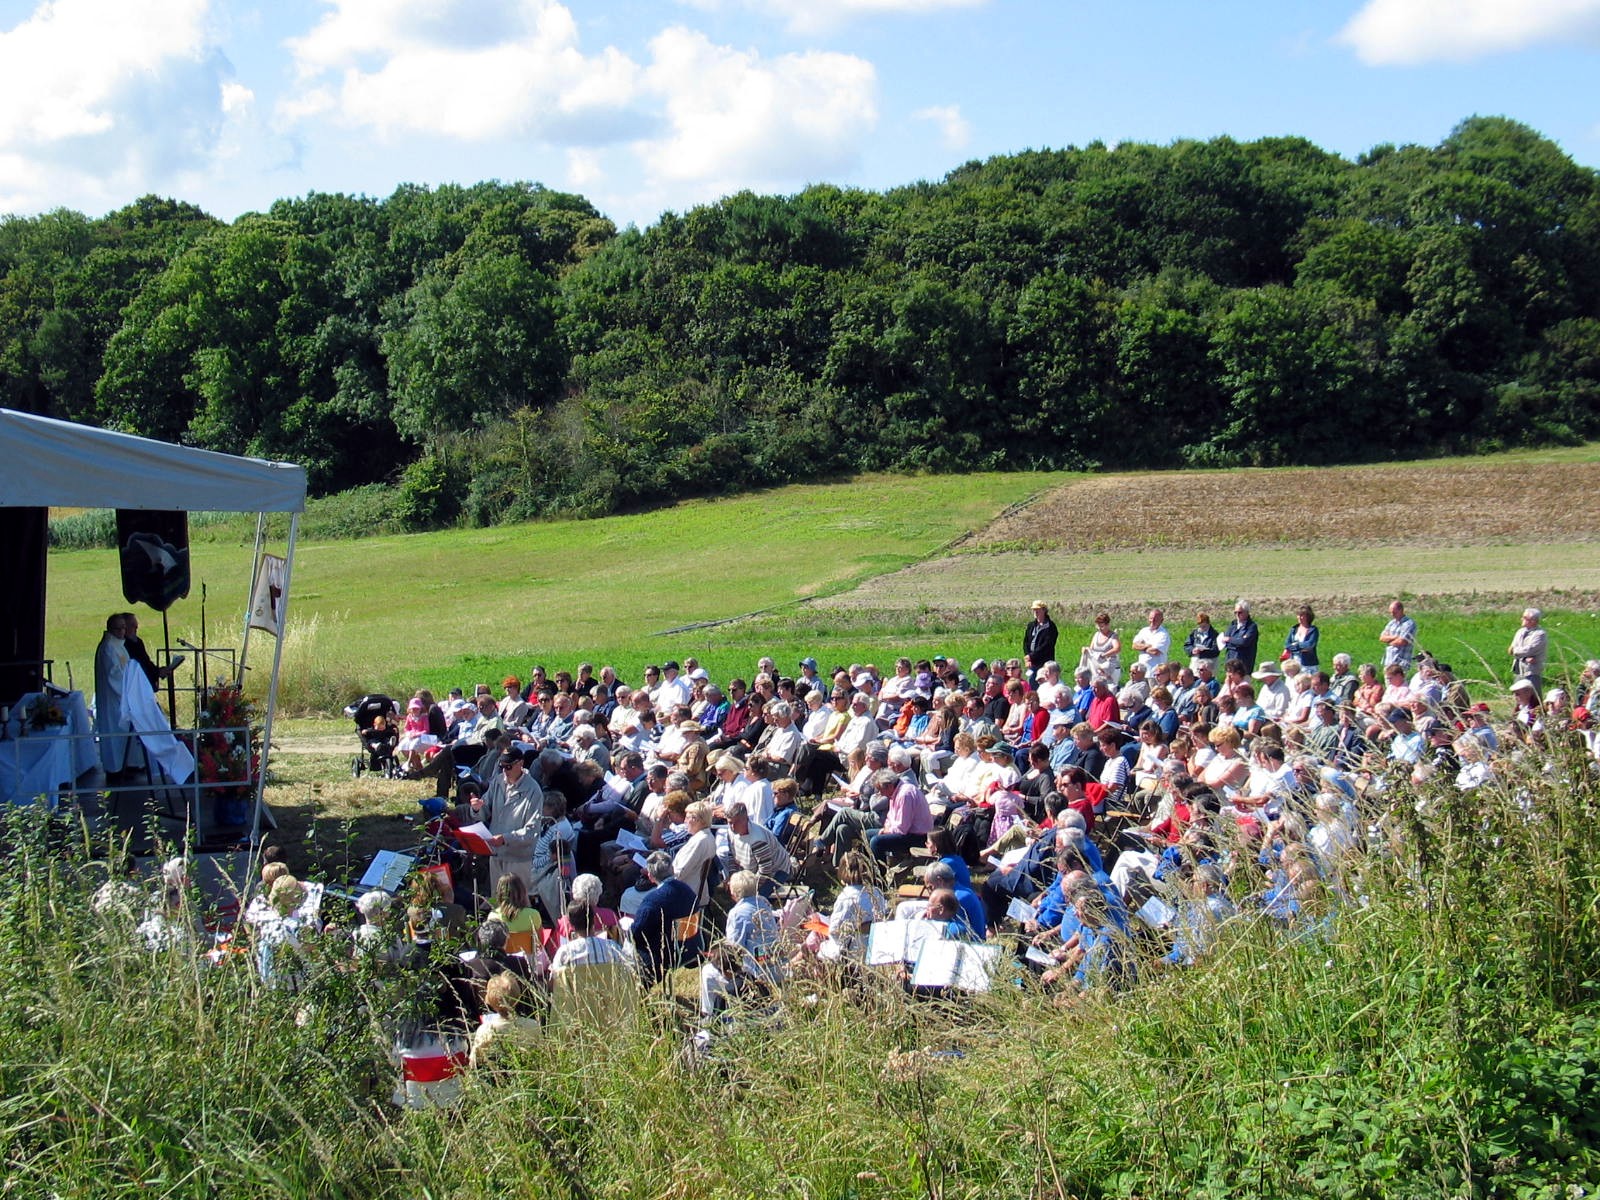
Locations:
935 961
629 840
967 966
386 871
475 837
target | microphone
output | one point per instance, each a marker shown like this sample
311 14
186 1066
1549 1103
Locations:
189 645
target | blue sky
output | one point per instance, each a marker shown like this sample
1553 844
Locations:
644 107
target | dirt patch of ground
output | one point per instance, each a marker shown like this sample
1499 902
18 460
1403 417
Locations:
1555 575
1417 504
344 744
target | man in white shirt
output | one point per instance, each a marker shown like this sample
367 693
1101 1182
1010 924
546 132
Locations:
860 729
1049 685
782 740
110 670
674 690
1273 695
1153 641
1271 778
1399 637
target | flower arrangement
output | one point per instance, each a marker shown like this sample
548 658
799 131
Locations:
233 756
42 712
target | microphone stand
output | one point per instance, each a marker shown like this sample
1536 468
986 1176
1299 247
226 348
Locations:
172 688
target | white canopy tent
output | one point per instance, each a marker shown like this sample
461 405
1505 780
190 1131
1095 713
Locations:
57 464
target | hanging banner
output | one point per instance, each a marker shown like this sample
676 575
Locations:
266 606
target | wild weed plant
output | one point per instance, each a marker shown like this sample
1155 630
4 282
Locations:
1435 1035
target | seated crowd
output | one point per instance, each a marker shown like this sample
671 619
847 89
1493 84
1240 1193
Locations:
1096 826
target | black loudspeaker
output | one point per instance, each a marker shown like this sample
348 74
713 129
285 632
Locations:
154 546
22 561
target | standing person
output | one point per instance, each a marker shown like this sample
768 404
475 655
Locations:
1529 648
1201 644
1399 638
137 652
1153 642
1038 639
1242 637
111 660
1103 654
512 809
1301 642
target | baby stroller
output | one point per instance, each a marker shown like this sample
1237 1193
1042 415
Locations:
377 719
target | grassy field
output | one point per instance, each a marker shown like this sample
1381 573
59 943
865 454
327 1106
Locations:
856 571
443 608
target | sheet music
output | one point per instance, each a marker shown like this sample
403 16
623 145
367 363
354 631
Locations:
386 871
1156 912
897 941
1038 955
950 964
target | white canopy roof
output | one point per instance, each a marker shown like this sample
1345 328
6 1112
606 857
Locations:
47 463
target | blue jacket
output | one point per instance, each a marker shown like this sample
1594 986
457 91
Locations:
652 925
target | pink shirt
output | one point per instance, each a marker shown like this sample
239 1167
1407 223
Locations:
908 811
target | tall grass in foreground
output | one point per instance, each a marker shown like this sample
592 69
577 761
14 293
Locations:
1437 1038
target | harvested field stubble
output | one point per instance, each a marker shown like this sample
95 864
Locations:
1428 504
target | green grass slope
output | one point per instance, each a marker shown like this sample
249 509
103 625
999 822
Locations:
435 608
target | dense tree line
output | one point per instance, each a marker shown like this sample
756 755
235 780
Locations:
504 351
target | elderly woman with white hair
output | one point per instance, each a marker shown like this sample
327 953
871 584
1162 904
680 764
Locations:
587 747
587 891
373 939
694 859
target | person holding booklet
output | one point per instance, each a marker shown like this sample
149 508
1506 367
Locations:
1098 954
934 952
858 906
513 808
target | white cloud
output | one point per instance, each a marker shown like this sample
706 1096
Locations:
236 98
472 70
737 119
955 129
698 118
809 16
103 99
583 168
1405 32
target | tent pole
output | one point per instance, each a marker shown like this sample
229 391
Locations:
272 686
250 600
